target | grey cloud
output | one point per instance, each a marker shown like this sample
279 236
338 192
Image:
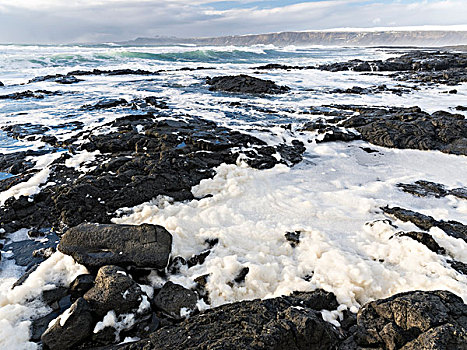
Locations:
122 20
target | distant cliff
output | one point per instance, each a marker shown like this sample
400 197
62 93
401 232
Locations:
344 38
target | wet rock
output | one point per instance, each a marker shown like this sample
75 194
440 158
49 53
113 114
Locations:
39 94
458 266
461 108
436 319
293 238
52 296
94 245
417 66
176 301
424 238
411 128
104 104
272 66
57 78
40 325
372 90
425 222
70 78
335 134
240 278
279 323
424 188
146 156
113 290
71 328
1 84
80 286
245 84
26 253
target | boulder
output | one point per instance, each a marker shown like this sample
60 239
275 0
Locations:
413 320
70 328
245 84
80 286
95 245
113 290
175 300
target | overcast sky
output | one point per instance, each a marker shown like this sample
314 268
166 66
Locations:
68 21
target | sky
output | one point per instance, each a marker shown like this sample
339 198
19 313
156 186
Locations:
87 21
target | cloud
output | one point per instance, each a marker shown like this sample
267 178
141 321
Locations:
58 21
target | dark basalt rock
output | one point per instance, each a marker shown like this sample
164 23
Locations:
76 328
413 320
1 84
139 103
272 66
39 94
70 78
425 222
172 298
110 103
335 134
280 323
357 90
410 128
94 245
424 188
424 238
245 84
145 157
58 78
293 238
113 290
80 286
418 66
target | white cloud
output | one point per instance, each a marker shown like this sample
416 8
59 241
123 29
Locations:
109 20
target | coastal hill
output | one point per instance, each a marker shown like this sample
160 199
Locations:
332 38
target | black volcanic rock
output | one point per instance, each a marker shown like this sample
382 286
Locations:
76 328
292 322
113 290
424 188
424 238
245 84
38 94
142 157
411 128
414 320
1 84
425 222
426 67
94 245
175 300
58 78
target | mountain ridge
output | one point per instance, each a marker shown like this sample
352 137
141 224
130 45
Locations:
325 38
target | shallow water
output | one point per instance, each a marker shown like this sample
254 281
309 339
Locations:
333 197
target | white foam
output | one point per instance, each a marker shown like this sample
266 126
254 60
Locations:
20 305
334 203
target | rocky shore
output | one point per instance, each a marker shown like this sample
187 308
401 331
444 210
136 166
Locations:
139 157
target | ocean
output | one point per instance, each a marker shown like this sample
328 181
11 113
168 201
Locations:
333 196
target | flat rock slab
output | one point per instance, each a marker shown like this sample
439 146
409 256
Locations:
245 84
94 245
